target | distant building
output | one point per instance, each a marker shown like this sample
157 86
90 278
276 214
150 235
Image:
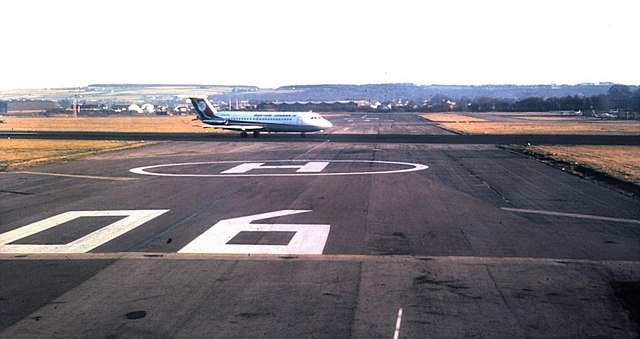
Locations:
29 107
315 106
120 108
162 110
3 107
135 108
92 107
180 109
148 108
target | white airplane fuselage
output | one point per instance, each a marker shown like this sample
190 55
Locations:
273 121
257 122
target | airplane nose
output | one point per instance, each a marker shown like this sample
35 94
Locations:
327 124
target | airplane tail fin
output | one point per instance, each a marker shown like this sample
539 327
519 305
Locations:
204 108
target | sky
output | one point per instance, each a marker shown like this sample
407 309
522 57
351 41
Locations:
65 43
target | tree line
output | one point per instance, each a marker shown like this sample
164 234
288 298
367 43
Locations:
618 97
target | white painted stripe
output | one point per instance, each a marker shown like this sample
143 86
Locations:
571 215
308 238
131 219
313 167
76 176
396 334
243 168
309 167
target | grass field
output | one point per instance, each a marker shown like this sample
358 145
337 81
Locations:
621 162
563 119
548 127
450 117
19 153
106 124
532 123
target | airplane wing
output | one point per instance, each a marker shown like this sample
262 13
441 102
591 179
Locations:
235 127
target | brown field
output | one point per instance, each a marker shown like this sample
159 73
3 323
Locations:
621 162
450 117
590 127
516 114
569 118
20 153
106 124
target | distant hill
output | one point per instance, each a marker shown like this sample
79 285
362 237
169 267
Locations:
163 93
394 92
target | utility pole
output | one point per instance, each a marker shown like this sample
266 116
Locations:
76 104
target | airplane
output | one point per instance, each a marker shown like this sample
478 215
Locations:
257 122
603 116
572 112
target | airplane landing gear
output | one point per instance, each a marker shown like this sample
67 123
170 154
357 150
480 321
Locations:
256 134
243 134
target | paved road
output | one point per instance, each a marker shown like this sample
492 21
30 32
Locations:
314 239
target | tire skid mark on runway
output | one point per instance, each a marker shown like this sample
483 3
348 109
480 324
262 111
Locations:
570 215
470 260
80 176
311 149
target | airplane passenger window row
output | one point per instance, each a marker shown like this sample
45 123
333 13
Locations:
288 119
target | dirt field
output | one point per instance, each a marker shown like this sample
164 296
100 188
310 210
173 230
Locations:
20 153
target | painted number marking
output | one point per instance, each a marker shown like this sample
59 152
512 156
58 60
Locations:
131 219
310 167
308 239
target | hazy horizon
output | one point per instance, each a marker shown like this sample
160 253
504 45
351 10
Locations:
603 83
270 44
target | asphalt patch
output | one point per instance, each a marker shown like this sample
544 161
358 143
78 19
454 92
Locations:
136 315
281 238
629 293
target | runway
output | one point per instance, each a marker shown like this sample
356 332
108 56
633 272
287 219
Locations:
350 128
315 238
487 139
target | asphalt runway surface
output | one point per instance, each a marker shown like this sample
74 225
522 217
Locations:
352 128
247 238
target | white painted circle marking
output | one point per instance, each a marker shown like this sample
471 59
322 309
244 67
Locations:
147 170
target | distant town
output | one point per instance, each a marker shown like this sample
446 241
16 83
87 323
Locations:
161 99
